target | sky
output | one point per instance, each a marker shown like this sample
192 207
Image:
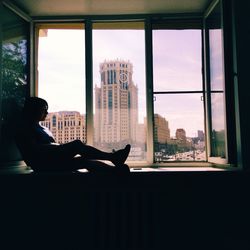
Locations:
176 64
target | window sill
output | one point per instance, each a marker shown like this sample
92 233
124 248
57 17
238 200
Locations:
21 168
182 166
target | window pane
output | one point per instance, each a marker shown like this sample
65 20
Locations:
61 71
218 125
215 49
119 88
179 127
14 79
177 60
213 22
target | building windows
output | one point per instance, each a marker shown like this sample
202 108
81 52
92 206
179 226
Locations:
53 121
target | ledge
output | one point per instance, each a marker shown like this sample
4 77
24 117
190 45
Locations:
21 168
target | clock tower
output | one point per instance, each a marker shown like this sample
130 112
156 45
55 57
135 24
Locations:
116 104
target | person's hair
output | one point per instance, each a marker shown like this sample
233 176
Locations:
32 107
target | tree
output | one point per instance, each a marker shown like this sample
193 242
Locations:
14 71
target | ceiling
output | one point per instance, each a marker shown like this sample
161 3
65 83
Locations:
109 7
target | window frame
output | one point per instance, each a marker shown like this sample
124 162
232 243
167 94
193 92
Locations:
228 91
149 21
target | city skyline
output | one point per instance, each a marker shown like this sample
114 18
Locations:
67 126
200 133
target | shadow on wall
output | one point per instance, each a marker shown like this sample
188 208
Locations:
11 112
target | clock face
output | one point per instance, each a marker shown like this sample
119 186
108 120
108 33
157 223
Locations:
123 77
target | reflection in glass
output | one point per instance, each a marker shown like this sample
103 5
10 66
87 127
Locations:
218 124
215 49
179 128
61 81
14 69
214 26
177 60
216 63
14 76
119 88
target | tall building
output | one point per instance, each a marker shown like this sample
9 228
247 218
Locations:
161 129
116 104
66 126
201 135
181 136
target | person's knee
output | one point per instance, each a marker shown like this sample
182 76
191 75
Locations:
78 142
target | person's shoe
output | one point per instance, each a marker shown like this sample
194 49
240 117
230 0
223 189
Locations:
120 156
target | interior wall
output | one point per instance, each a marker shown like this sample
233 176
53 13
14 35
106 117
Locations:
241 10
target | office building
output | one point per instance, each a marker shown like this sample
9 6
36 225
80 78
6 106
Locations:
116 104
161 129
66 126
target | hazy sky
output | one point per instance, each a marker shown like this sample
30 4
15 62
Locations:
177 66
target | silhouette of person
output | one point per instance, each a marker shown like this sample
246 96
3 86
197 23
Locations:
40 151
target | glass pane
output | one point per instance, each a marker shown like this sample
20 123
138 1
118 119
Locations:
215 49
179 127
177 60
14 76
213 22
119 89
218 125
61 81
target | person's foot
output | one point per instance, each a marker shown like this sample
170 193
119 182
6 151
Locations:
120 156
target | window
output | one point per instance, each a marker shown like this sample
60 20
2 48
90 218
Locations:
119 90
61 71
215 85
178 95
14 80
109 102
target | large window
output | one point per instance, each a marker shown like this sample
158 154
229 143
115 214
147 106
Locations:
178 96
109 105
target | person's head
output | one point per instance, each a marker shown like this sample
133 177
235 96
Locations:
35 109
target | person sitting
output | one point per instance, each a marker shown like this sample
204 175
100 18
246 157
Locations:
40 151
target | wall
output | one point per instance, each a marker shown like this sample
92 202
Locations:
242 82
199 210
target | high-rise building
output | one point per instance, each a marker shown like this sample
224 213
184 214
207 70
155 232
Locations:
66 126
116 104
161 129
181 136
201 135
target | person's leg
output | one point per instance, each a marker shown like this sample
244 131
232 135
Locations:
79 162
94 166
73 148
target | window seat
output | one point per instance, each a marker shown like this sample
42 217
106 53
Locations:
20 168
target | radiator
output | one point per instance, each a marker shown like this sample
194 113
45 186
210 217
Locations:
123 220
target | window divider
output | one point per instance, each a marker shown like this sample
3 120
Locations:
149 92
89 83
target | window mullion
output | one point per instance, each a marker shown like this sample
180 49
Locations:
149 92
89 82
